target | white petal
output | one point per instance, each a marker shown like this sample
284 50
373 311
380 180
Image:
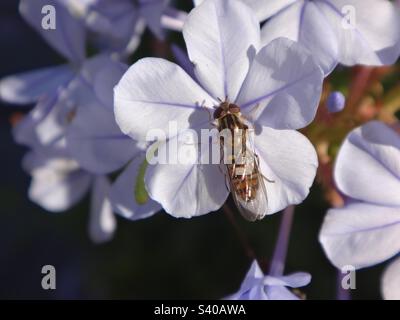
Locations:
290 160
24 132
283 87
280 293
266 9
186 190
102 222
294 280
262 8
221 51
152 93
361 234
304 22
363 41
28 87
68 37
57 188
46 124
390 284
368 167
124 193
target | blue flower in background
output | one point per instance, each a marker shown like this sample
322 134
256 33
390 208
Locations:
366 231
257 286
335 31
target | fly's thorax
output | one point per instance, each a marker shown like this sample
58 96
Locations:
233 137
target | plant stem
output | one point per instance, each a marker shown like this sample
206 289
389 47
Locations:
281 247
341 294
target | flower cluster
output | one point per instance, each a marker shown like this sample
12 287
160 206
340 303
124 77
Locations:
93 122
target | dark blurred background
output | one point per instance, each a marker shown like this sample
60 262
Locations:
161 257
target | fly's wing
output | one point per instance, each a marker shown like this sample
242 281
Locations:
254 208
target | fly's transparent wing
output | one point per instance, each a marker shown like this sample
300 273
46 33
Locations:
248 189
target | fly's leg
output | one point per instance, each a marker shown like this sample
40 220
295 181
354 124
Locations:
203 106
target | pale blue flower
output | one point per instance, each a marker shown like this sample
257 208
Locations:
58 184
79 123
120 23
68 39
273 286
335 31
257 286
366 231
281 78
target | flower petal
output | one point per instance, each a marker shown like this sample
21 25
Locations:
105 80
267 10
362 41
361 234
124 193
262 9
24 131
221 51
28 87
280 293
186 190
96 142
182 60
303 22
294 280
290 160
283 86
252 286
45 125
115 22
102 222
253 277
56 187
154 92
152 12
370 152
257 292
68 37
390 284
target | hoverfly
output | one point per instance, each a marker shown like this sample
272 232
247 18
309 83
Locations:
246 182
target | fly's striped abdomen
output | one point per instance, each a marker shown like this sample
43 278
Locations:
245 184
241 163
242 172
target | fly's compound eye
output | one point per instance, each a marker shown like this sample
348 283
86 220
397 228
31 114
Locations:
233 108
218 113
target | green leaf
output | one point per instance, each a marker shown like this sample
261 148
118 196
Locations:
141 195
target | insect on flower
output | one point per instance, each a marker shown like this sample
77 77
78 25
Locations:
246 182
